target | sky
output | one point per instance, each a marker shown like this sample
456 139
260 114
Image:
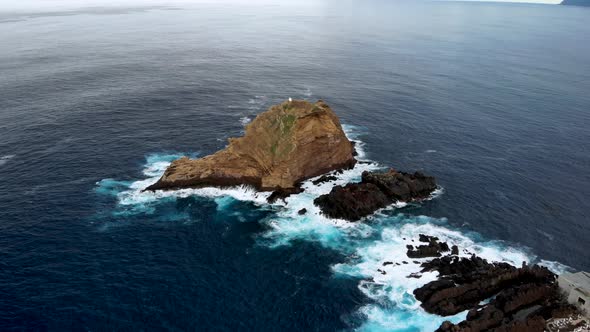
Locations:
32 5
531 1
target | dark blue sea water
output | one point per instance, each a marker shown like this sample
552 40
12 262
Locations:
492 99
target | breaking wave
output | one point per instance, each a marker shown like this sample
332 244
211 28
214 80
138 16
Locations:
245 120
4 159
374 250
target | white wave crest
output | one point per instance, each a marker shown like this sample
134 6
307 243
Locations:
555 267
245 120
387 271
134 194
4 159
368 245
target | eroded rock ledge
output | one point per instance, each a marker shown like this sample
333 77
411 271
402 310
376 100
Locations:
498 297
289 143
518 299
375 191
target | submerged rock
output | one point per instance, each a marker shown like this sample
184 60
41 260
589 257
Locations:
289 143
376 190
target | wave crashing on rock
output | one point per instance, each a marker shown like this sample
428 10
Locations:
289 143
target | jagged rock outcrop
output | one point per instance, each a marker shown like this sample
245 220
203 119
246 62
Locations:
353 201
432 249
465 282
283 146
401 186
324 178
375 191
520 299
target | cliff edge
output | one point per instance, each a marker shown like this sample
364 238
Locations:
289 143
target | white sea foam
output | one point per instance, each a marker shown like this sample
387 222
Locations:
390 286
155 168
555 267
288 225
380 318
257 102
368 245
245 120
4 159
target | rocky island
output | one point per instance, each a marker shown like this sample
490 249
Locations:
298 140
289 143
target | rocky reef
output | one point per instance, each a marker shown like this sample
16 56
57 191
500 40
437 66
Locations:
375 191
499 296
298 140
289 143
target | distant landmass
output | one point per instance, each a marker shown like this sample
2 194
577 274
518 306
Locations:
576 2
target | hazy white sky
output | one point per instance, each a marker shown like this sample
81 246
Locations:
531 1
67 4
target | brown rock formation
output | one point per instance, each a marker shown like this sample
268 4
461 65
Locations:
283 146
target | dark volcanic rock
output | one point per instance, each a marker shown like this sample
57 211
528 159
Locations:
324 178
354 152
426 238
523 298
467 289
302 211
283 193
401 186
353 201
375 191
432 249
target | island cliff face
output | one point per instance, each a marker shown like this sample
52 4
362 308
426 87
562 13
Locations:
289 143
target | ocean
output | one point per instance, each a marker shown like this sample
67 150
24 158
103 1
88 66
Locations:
492 99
